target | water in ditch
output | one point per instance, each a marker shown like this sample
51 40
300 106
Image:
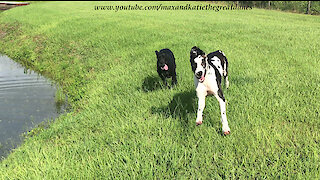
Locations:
26 100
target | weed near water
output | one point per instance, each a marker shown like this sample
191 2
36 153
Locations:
125 125
60 97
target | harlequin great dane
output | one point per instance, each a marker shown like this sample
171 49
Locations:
208 71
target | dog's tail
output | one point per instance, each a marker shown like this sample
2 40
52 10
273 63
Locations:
225 70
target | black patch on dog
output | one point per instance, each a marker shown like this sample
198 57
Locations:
195 52
222 58
218 79
166 57
218 75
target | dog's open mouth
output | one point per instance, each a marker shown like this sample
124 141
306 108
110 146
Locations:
165 67
202 79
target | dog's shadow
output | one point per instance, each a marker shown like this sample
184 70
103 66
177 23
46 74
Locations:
152 83
181 106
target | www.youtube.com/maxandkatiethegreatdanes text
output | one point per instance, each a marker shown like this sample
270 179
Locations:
162 7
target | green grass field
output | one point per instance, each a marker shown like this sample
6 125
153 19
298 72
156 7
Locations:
123 125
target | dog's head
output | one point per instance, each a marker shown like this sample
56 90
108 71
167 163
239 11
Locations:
195 52
199 65
161 61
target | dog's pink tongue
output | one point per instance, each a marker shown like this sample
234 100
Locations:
165 67
202 78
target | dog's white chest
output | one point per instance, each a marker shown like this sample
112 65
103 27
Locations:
209 85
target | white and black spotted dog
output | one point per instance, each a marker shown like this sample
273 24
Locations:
208 71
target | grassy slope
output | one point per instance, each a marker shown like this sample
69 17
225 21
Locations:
124 125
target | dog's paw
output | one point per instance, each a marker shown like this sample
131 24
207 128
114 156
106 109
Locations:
199 120
226 133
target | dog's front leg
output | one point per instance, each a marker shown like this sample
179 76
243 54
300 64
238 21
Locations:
164 80
201 105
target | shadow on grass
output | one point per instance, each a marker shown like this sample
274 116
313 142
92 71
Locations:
180 107
183 107
152 83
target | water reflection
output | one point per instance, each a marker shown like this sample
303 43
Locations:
26 99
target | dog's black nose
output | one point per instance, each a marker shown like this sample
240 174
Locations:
199 74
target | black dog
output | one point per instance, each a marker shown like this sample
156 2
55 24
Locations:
166 66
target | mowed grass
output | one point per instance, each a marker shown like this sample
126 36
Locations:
124 125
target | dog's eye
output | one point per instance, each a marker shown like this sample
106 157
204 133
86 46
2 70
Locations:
203 63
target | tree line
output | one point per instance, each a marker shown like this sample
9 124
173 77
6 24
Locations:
306 7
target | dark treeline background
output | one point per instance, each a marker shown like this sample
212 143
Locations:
306 7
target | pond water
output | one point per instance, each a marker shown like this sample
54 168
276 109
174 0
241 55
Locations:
26 99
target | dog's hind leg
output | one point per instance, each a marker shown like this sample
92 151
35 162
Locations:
224 121
226 81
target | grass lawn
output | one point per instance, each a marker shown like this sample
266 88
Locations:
124 125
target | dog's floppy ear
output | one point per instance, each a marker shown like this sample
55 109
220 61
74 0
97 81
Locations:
202 53
156 52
